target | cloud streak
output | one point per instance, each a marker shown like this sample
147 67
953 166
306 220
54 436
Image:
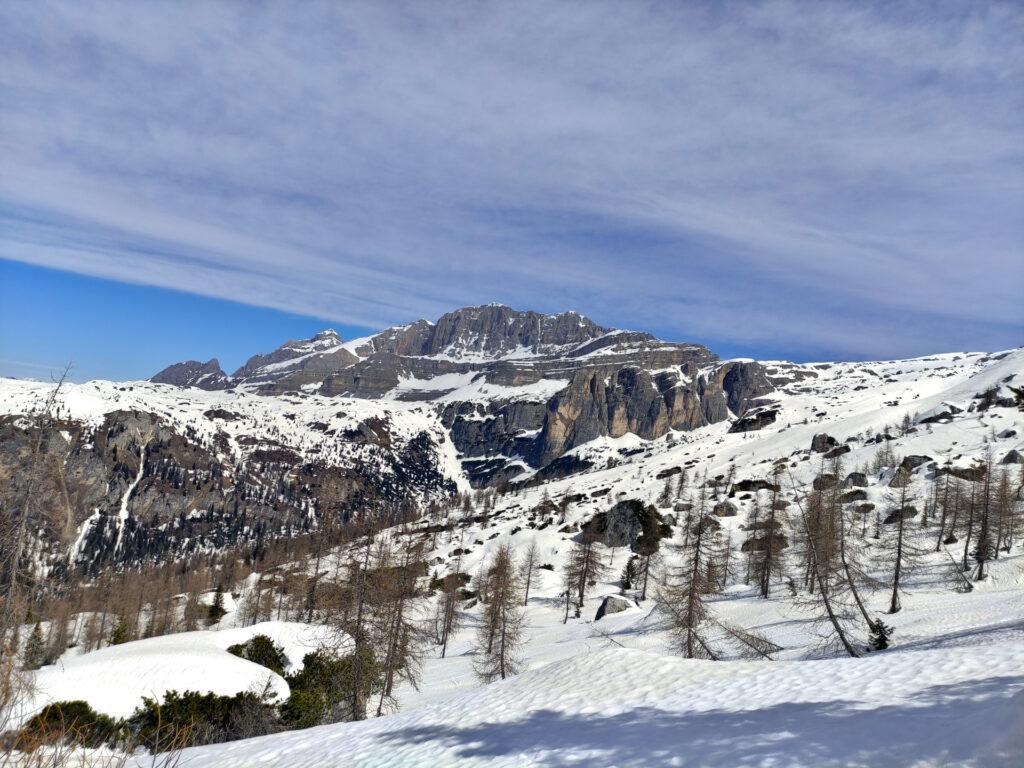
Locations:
836 178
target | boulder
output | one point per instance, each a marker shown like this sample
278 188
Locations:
760 543
865 508
755 419
901 478
706 525
838 451
822 482
973 474
747 486
1013 457
906 513
624 524
724 509
823 442
940 413
910 463
613 604
1006 434
855 480
855 495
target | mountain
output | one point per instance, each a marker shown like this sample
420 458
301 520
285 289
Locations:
193 373
485 397
297 362
515 389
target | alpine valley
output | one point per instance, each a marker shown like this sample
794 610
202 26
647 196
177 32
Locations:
849 535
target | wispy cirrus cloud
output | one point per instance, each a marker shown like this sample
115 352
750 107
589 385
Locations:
837 177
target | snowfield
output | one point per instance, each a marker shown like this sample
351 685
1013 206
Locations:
621 707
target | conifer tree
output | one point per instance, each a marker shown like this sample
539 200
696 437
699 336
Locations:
35 649
121 633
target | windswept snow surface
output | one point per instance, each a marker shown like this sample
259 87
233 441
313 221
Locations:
114 680
621 707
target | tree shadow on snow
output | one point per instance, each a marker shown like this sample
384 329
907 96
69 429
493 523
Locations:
977 722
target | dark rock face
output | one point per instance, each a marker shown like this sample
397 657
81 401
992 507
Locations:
494 330
563 466
182 494
1012 457
192 373
631 400
743 383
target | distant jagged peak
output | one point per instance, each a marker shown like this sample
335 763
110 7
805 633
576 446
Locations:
323 342
325 339
193 373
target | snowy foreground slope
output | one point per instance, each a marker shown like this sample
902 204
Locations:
621 707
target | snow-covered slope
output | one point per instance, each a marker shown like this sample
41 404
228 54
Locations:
114 680
621 707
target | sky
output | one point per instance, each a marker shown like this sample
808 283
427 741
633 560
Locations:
816 180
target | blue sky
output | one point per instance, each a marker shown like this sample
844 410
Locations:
783 179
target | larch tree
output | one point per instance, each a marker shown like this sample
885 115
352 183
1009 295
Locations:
402 635
584 566
528 568
501 628
821 549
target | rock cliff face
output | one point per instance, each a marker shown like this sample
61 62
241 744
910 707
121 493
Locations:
632 400
488 332
136 487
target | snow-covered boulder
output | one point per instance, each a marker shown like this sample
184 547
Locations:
612 604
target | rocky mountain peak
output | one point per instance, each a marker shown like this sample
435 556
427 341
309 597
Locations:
325 341
192 373
489 332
